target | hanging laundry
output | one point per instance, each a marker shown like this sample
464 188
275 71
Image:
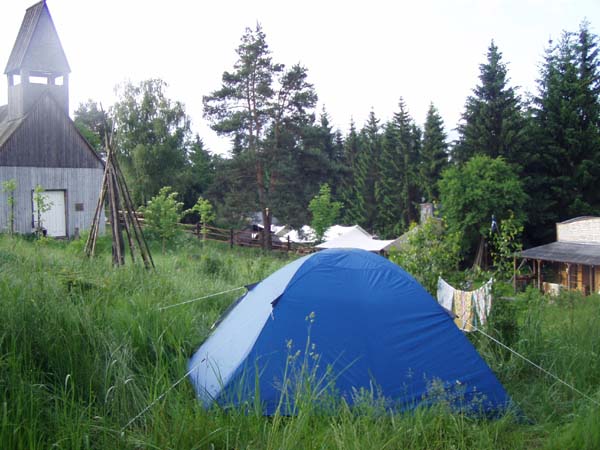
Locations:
463 308
445 294
482 298
467 305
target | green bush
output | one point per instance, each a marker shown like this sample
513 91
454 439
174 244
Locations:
162 214
428 253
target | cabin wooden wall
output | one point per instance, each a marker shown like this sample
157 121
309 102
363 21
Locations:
585 279
579 230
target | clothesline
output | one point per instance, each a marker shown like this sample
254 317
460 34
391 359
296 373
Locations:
468 306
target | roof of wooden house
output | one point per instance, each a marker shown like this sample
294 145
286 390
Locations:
43 137
566 252
7 127
37 47
578 242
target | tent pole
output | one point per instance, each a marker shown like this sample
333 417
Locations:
515 273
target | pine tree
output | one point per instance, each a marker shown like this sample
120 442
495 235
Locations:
434 154
492 123
264 107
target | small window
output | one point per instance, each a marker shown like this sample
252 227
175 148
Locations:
78 206
59 81
38 80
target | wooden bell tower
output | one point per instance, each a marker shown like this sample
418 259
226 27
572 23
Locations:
36 64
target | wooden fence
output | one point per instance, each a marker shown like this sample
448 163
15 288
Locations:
244 238
241 238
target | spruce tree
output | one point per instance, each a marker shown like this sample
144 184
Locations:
563 165
434 154
588 63
200 173
389 187
396 187
364 209
330 144
353 207
492 123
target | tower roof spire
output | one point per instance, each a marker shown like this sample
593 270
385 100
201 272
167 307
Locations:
37 47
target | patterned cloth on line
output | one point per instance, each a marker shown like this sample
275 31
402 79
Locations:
468 306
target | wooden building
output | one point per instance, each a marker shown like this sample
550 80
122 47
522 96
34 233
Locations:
39 143
573 261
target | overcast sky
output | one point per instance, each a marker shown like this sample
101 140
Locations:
360 55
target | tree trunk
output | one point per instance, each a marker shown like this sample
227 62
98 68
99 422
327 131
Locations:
12 214
262 200
267 241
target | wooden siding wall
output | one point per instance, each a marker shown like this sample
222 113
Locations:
585 279
48 138
583 230
81 185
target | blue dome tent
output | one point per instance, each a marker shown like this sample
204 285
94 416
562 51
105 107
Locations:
370 327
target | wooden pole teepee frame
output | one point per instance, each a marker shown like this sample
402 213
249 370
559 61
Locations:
121 215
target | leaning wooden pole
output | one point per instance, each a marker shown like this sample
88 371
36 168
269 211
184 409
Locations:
132 216
120 207
90 245
115 221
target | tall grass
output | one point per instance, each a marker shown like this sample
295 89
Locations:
84 348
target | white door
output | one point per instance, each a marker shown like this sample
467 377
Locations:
53 217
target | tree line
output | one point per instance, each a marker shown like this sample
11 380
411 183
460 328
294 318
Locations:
533 158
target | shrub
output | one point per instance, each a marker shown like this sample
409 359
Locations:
162 214
429 252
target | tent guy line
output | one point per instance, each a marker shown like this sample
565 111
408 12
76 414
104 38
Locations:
474 327
162 308
195 366
174 385
573 388
161 396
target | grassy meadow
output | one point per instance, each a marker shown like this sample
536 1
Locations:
84 349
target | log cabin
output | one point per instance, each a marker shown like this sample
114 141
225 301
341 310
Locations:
572 262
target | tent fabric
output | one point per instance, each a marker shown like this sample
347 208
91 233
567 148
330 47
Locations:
351 318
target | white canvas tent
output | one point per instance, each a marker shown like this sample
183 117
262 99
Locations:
336 231
306 235
357 238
